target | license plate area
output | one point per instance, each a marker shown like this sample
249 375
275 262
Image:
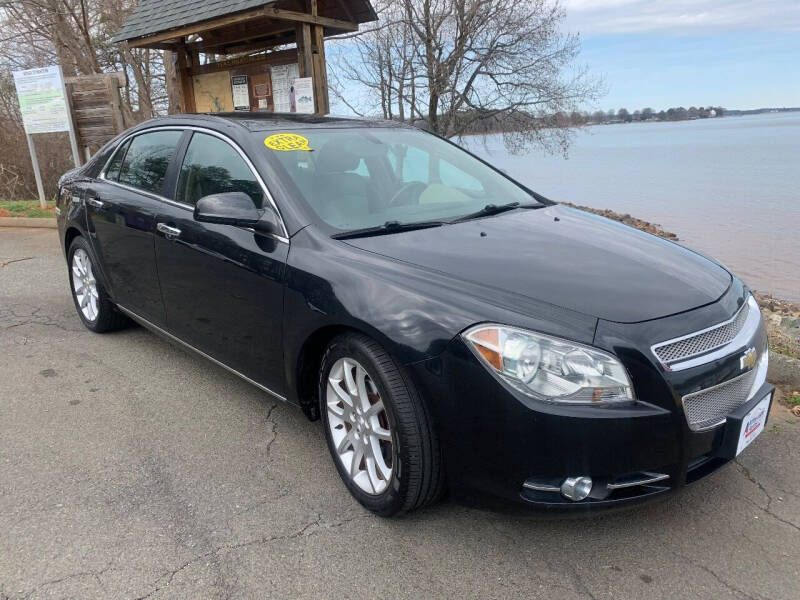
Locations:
745 424
753 423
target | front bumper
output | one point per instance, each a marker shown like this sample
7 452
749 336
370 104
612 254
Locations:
495 440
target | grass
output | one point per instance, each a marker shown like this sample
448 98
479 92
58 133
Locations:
793 399
26 208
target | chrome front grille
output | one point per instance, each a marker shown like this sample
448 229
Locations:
708 408
702 342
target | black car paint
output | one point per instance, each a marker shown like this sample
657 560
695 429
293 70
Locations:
264 305
567 258
122 227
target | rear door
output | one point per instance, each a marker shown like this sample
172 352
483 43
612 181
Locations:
122 205
222 285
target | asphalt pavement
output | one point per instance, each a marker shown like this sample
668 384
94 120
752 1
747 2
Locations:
130 468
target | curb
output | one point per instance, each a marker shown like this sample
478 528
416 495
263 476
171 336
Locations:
28 222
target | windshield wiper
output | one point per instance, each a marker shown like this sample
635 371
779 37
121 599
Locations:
493 209
388 227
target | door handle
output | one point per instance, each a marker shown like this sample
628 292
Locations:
169 232
95 202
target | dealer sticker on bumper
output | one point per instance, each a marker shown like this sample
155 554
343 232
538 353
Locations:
753 424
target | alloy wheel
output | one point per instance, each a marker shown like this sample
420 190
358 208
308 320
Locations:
359 426
84 284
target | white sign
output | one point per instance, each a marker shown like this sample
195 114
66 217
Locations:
42 101
241 92
304 95
753 424
283 95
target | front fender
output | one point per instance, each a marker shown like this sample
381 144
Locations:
412 312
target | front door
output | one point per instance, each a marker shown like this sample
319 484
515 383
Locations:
222 285
121 210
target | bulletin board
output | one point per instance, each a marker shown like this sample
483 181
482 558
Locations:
213 92
269 81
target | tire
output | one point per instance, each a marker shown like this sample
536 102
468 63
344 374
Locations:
396 415
101 315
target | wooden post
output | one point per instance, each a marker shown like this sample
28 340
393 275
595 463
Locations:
73 131
171 78
112 85
304 56
185 81
320 73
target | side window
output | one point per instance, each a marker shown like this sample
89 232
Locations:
112 172
147 159
212 166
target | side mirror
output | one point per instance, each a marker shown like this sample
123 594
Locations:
229 208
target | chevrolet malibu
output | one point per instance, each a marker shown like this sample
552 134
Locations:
453 330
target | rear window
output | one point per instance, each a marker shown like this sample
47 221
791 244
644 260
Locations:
112 172
147 159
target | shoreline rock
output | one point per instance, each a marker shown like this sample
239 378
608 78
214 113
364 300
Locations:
627 219
783 325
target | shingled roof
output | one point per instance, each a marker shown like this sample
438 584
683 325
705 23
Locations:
157 16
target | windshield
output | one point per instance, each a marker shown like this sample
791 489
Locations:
361 178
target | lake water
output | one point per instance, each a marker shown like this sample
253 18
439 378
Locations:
729 187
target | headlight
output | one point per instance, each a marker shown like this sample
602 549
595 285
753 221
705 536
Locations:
549 368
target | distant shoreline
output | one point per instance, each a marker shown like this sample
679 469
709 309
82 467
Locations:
727 113
655 118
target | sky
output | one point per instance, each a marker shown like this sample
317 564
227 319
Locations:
738 54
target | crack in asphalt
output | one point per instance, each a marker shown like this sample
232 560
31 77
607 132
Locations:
579 583
15 260
268 419
170 575
706 569
578 580
95 574
749 476
33 317
283 493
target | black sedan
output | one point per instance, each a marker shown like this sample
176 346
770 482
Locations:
453 330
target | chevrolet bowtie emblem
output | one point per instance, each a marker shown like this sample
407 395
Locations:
749 359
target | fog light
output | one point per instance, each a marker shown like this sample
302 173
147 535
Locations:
576 488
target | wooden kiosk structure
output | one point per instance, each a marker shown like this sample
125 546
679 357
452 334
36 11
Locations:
234 56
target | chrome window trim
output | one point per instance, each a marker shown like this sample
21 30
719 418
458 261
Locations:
165 333
740 339
284 237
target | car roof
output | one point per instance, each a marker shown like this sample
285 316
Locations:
266 121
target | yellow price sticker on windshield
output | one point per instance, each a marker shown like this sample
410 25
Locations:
287 142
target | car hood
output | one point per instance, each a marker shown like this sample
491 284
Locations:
564 257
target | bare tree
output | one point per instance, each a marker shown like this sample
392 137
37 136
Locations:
75 34
460 63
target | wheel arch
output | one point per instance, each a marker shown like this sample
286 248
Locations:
69 236
72 232
308 363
